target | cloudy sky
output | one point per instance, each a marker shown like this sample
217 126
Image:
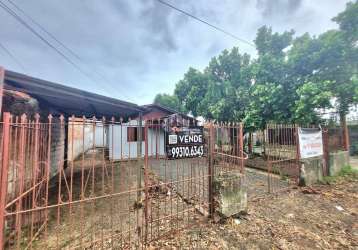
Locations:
133 49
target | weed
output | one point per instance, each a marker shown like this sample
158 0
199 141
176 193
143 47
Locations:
346 172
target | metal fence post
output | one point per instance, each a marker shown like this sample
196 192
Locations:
241 149
2 79
4 175
139 168
146 183
139 157
268 162
211 169
345 134
298 154
325 151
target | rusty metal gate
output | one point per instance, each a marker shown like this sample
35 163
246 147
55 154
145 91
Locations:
97 183
282 152
273 165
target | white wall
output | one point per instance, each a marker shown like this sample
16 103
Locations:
120 148
84 136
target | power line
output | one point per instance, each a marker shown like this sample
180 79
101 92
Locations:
206 22
44 30
19 19
12 56
51 35
32 30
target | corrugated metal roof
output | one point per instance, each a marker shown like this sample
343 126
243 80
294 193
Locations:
69 101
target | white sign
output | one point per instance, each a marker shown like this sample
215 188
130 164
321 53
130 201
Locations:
310 143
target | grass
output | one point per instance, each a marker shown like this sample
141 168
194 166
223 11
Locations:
346 172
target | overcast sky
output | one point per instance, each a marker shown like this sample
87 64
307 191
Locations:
141 47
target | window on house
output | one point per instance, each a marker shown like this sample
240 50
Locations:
132 134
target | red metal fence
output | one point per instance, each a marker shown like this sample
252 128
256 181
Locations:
282 152
97 183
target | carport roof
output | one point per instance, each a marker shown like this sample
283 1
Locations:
67 100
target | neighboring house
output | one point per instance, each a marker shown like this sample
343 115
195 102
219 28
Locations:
121 139
158 118
22 94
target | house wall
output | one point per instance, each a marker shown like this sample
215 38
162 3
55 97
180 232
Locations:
121 149
85 135
154 115
57 146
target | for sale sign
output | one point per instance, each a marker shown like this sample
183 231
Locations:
310 142
185 142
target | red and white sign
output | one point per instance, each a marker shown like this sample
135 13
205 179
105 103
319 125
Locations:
311 144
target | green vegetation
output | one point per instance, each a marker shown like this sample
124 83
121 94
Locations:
290 81
346 172
169 101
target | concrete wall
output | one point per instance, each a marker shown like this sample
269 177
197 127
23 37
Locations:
83 136
311 170
57 146
230 194
337 160
353 139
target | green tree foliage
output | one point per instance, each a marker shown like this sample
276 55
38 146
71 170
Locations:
330 62
292 79
348 21
268 43
191 90
170 101
272 95
229 76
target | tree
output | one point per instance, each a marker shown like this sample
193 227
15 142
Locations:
229 76
191 90
272 43
325 67
348 21
170 101
273 94
291 81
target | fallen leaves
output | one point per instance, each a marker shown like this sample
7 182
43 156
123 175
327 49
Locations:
304 218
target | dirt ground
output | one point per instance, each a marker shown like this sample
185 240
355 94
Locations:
322 217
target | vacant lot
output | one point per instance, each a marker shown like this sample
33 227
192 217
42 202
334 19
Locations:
322 217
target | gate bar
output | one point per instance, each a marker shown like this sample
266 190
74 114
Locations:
210 169
2 81
4 175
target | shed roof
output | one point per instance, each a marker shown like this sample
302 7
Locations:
67 100
150 107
